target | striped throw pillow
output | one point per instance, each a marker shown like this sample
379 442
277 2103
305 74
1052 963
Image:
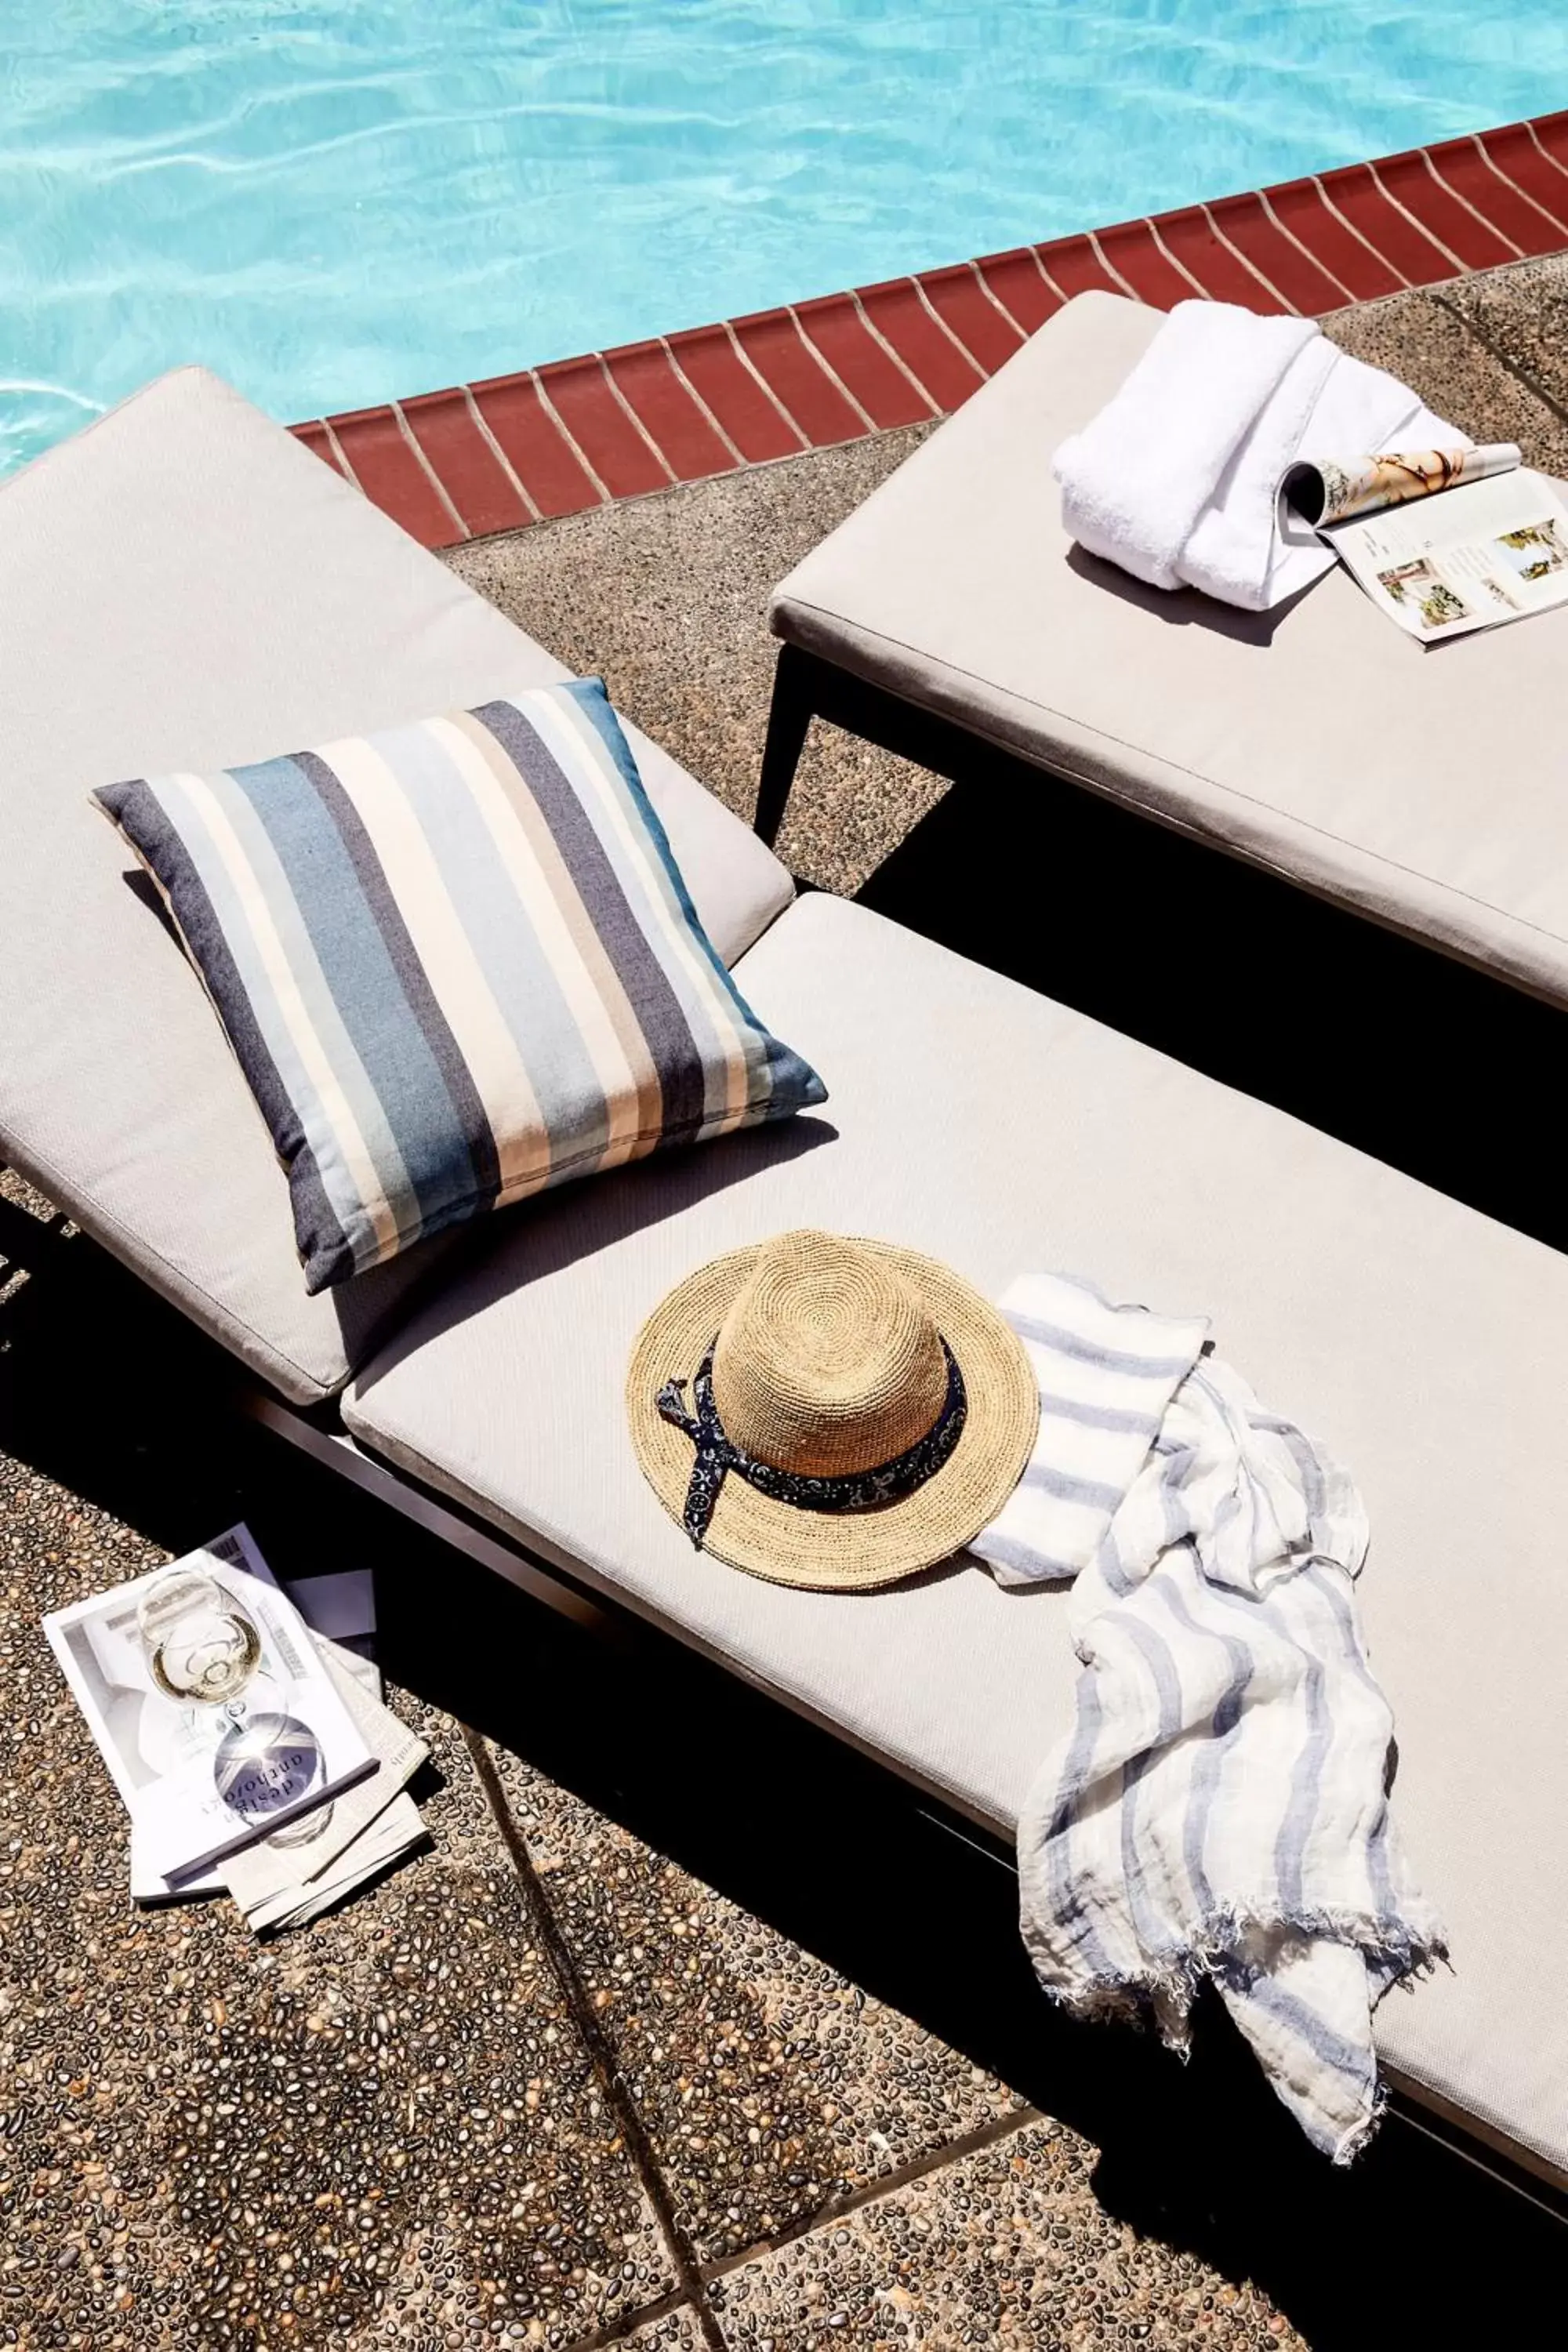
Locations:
457 963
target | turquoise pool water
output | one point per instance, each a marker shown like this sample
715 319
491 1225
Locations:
335 202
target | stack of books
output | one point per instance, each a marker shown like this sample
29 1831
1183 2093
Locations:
289 1800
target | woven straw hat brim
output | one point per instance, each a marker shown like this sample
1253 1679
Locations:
852 1551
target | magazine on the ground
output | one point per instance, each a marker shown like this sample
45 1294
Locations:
283 1881
396 1831
1471 558
194 1800
340 1610
280 1874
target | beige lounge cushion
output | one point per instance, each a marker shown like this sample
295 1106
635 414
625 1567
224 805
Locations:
1317 741
976 1120
184 586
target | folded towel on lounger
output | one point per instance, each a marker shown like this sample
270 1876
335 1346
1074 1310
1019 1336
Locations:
1177 478
1220 1808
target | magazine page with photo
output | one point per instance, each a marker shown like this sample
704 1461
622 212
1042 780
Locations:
1471 558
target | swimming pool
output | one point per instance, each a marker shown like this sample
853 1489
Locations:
338 202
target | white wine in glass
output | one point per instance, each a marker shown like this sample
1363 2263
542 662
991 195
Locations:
204 1648
203 1645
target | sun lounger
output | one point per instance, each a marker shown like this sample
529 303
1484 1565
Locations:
1317 741
186 585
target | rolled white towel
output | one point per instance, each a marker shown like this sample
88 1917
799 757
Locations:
1176 481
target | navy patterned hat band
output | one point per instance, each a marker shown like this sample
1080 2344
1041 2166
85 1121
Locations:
717 1456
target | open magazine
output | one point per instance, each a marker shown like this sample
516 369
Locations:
1488 552
1445 541
285 1879
189 1809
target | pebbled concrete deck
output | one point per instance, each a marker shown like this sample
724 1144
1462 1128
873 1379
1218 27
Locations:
688 2031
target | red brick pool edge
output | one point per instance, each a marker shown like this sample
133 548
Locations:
518 449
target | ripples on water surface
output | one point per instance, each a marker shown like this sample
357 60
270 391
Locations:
339 203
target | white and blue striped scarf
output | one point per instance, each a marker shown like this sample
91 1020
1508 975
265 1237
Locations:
1220 1807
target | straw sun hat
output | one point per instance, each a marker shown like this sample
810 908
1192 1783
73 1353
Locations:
830 1412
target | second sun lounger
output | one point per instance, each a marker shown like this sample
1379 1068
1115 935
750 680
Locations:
1420 787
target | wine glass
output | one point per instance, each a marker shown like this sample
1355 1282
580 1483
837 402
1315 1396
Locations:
204 1648
202 1644
263 1767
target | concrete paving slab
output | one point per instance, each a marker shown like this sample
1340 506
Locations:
384 2128
1427 340
1522 315
677 2331
1006 2249
769 2084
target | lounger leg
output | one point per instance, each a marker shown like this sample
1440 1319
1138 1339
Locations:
788 719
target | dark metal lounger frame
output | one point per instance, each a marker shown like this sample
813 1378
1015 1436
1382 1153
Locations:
807 687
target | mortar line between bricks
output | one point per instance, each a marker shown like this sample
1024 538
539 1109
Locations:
1520 374
596 2042
919 2167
